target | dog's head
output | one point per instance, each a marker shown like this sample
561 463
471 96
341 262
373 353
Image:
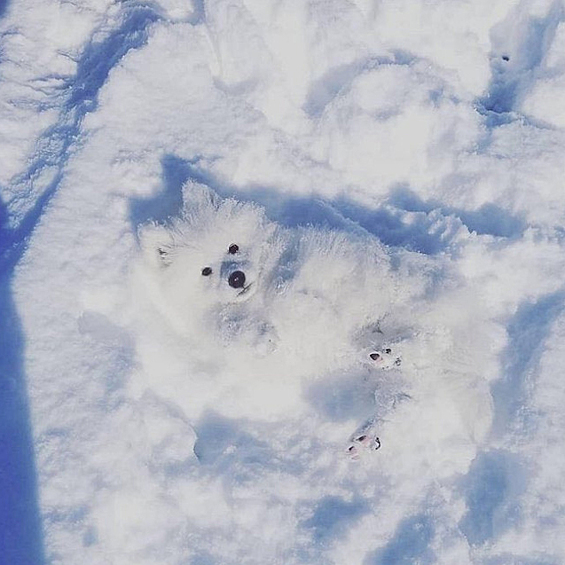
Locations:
214 254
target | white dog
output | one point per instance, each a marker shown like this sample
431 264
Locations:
239 311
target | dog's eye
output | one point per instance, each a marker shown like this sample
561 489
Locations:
206 271
233 249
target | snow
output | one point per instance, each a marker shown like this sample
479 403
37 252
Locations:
392 175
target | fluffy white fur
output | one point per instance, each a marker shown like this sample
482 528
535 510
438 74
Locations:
258 347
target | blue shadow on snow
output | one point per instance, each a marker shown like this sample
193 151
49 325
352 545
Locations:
489 219
3 6
165 204
98 59
527 332
511 71
21 539
514 64
53 148
405 221
340 398
339 79
225 448
333 516
410 544
493 485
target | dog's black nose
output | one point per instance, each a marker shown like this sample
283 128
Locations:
237 279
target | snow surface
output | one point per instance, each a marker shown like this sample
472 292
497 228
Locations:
392 173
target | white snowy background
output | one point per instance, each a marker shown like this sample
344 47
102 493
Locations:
394 163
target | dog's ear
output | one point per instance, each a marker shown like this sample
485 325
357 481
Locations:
157 244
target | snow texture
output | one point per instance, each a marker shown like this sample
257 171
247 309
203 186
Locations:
239 238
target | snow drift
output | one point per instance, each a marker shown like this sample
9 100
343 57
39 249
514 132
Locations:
391 175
